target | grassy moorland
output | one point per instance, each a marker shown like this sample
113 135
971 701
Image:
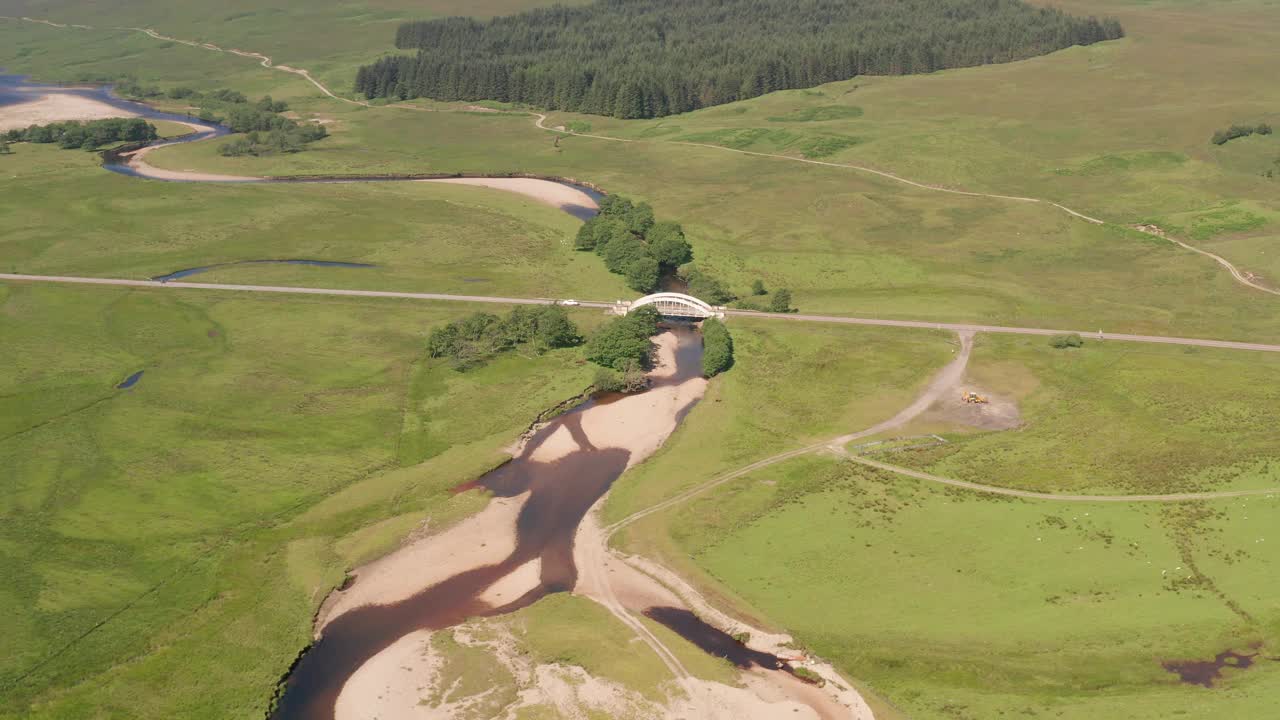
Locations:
69 217
204 512
329 38
961 605
848 242
789 386
843 242
1116 418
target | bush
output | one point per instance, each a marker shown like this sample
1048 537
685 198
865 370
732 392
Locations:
625 340
632 379
286 140
88 135
705 287
781 301
476 339
1072 340
717 348
809 676
1222 137
757 287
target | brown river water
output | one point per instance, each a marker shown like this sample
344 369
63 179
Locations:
560 494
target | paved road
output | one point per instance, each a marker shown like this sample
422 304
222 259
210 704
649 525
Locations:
793 317
963 327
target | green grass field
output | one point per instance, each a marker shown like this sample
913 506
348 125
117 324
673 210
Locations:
329 38
847 242
179 534
960 605
204 513
1116 418
69 217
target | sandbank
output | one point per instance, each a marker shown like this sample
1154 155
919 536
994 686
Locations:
544 191
49 107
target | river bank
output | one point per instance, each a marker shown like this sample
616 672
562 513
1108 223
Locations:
515 551
540 534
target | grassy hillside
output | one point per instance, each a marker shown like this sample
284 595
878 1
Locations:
849 242
421 236
1116 418
958 605
180 533
328 37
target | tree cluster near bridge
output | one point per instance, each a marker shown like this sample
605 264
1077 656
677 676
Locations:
472 341
633 244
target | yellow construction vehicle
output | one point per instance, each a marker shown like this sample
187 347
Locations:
974 398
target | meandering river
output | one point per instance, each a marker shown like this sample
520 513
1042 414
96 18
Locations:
17 92
521 547
555 481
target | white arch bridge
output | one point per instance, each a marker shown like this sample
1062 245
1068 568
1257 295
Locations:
673 305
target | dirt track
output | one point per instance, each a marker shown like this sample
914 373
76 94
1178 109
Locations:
941 382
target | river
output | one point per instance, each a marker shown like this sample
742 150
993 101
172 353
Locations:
555 494
533 527
16 91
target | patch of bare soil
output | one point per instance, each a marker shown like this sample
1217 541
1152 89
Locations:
1000 412
50 107
544 191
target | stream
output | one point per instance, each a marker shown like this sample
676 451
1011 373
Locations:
559 494
578 199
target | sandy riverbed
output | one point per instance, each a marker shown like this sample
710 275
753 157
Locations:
48 107
544 191
485 538
393 683
638 423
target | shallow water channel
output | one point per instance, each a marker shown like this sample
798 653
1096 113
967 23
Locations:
559 495
17 89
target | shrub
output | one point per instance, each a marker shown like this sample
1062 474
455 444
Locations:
704 286
643 274
757 287
88 135
717 348
668 244
1072 340
476 339
781 301
624 340
632 378
1222 137
809 676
